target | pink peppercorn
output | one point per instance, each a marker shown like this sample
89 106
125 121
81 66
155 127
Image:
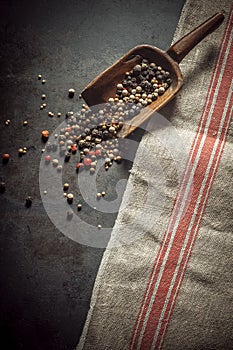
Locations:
47 158
87 161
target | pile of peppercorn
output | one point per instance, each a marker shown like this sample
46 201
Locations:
94 132
143 84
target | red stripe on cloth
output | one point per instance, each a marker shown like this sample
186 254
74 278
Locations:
143 338
178 200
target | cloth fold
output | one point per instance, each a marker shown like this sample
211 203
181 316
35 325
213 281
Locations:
165 280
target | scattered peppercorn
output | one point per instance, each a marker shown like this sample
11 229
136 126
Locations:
87 161
7 122
67 156
70 198
44 135
55 162
2 187
47 158
28 201
98 195
79 207
94 133
71 93
66 186
79 166
20 151
5 158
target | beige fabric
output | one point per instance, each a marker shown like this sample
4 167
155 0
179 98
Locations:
202 316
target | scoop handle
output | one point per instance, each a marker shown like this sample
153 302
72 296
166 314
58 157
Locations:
182 47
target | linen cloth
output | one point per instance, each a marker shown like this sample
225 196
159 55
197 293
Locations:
172 286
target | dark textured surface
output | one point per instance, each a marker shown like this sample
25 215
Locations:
47 279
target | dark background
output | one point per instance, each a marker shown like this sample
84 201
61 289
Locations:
47 279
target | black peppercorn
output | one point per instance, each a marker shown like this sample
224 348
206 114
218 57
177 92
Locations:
2 187
137 70
28 201
67 157
87 131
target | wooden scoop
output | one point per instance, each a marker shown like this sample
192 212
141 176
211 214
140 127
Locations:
104 86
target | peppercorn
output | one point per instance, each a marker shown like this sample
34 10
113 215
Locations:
55 162
67 156
161 90
5 158
87 161
2 187
43 81
69 114
79 166
79 207
7 122
20 151
99 227
98 152
43 96
137 70
25 123
70 198
98 195
39 76
28 201
44 135
118 159
66 186
47 158
71 93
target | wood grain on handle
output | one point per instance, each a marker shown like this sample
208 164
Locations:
182 47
